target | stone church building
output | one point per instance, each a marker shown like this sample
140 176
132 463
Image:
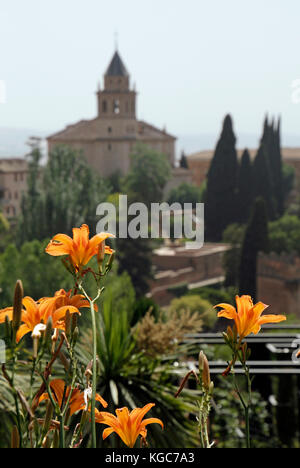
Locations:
108 140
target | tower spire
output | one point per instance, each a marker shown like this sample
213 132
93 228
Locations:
116 36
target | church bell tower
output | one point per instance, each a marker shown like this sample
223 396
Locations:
116 100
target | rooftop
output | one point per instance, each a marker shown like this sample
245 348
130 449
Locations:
13 164
287 154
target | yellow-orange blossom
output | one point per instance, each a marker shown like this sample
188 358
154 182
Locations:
36 313
247 316
80 249
78 402
127 425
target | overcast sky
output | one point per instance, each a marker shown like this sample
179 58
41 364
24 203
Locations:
192 61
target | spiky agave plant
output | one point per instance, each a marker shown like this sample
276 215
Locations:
129 378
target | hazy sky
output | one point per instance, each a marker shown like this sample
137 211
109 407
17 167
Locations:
192 61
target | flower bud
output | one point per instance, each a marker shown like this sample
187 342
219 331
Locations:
54 339
48 332
15 438
7 328
74 322
101 253
204 370
17 305
68 323
110 261
75 336
36 335
230 333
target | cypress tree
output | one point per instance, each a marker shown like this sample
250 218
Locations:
183 161
271 142
245 188
220 200
276 165
262 180
255 241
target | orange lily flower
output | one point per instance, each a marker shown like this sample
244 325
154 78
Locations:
248 317
35 316
63 298
127 425
80 249
78 400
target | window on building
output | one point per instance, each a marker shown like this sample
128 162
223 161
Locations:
16 177
109 147
116 106
104 106
109 129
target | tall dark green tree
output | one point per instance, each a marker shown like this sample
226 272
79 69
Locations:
220 199
277 167
63 194
270 141
255 241
262 179
244 188
183 161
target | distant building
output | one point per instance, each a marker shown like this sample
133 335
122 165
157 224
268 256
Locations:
13 183
108 139
278 283
177 267
199 162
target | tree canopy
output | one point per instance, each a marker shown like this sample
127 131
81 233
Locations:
148 175
61 195
255 241
185 193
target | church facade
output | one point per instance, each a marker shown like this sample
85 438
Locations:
108 140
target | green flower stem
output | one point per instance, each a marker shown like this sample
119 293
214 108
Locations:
246 405
62 437
94 377
14 361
